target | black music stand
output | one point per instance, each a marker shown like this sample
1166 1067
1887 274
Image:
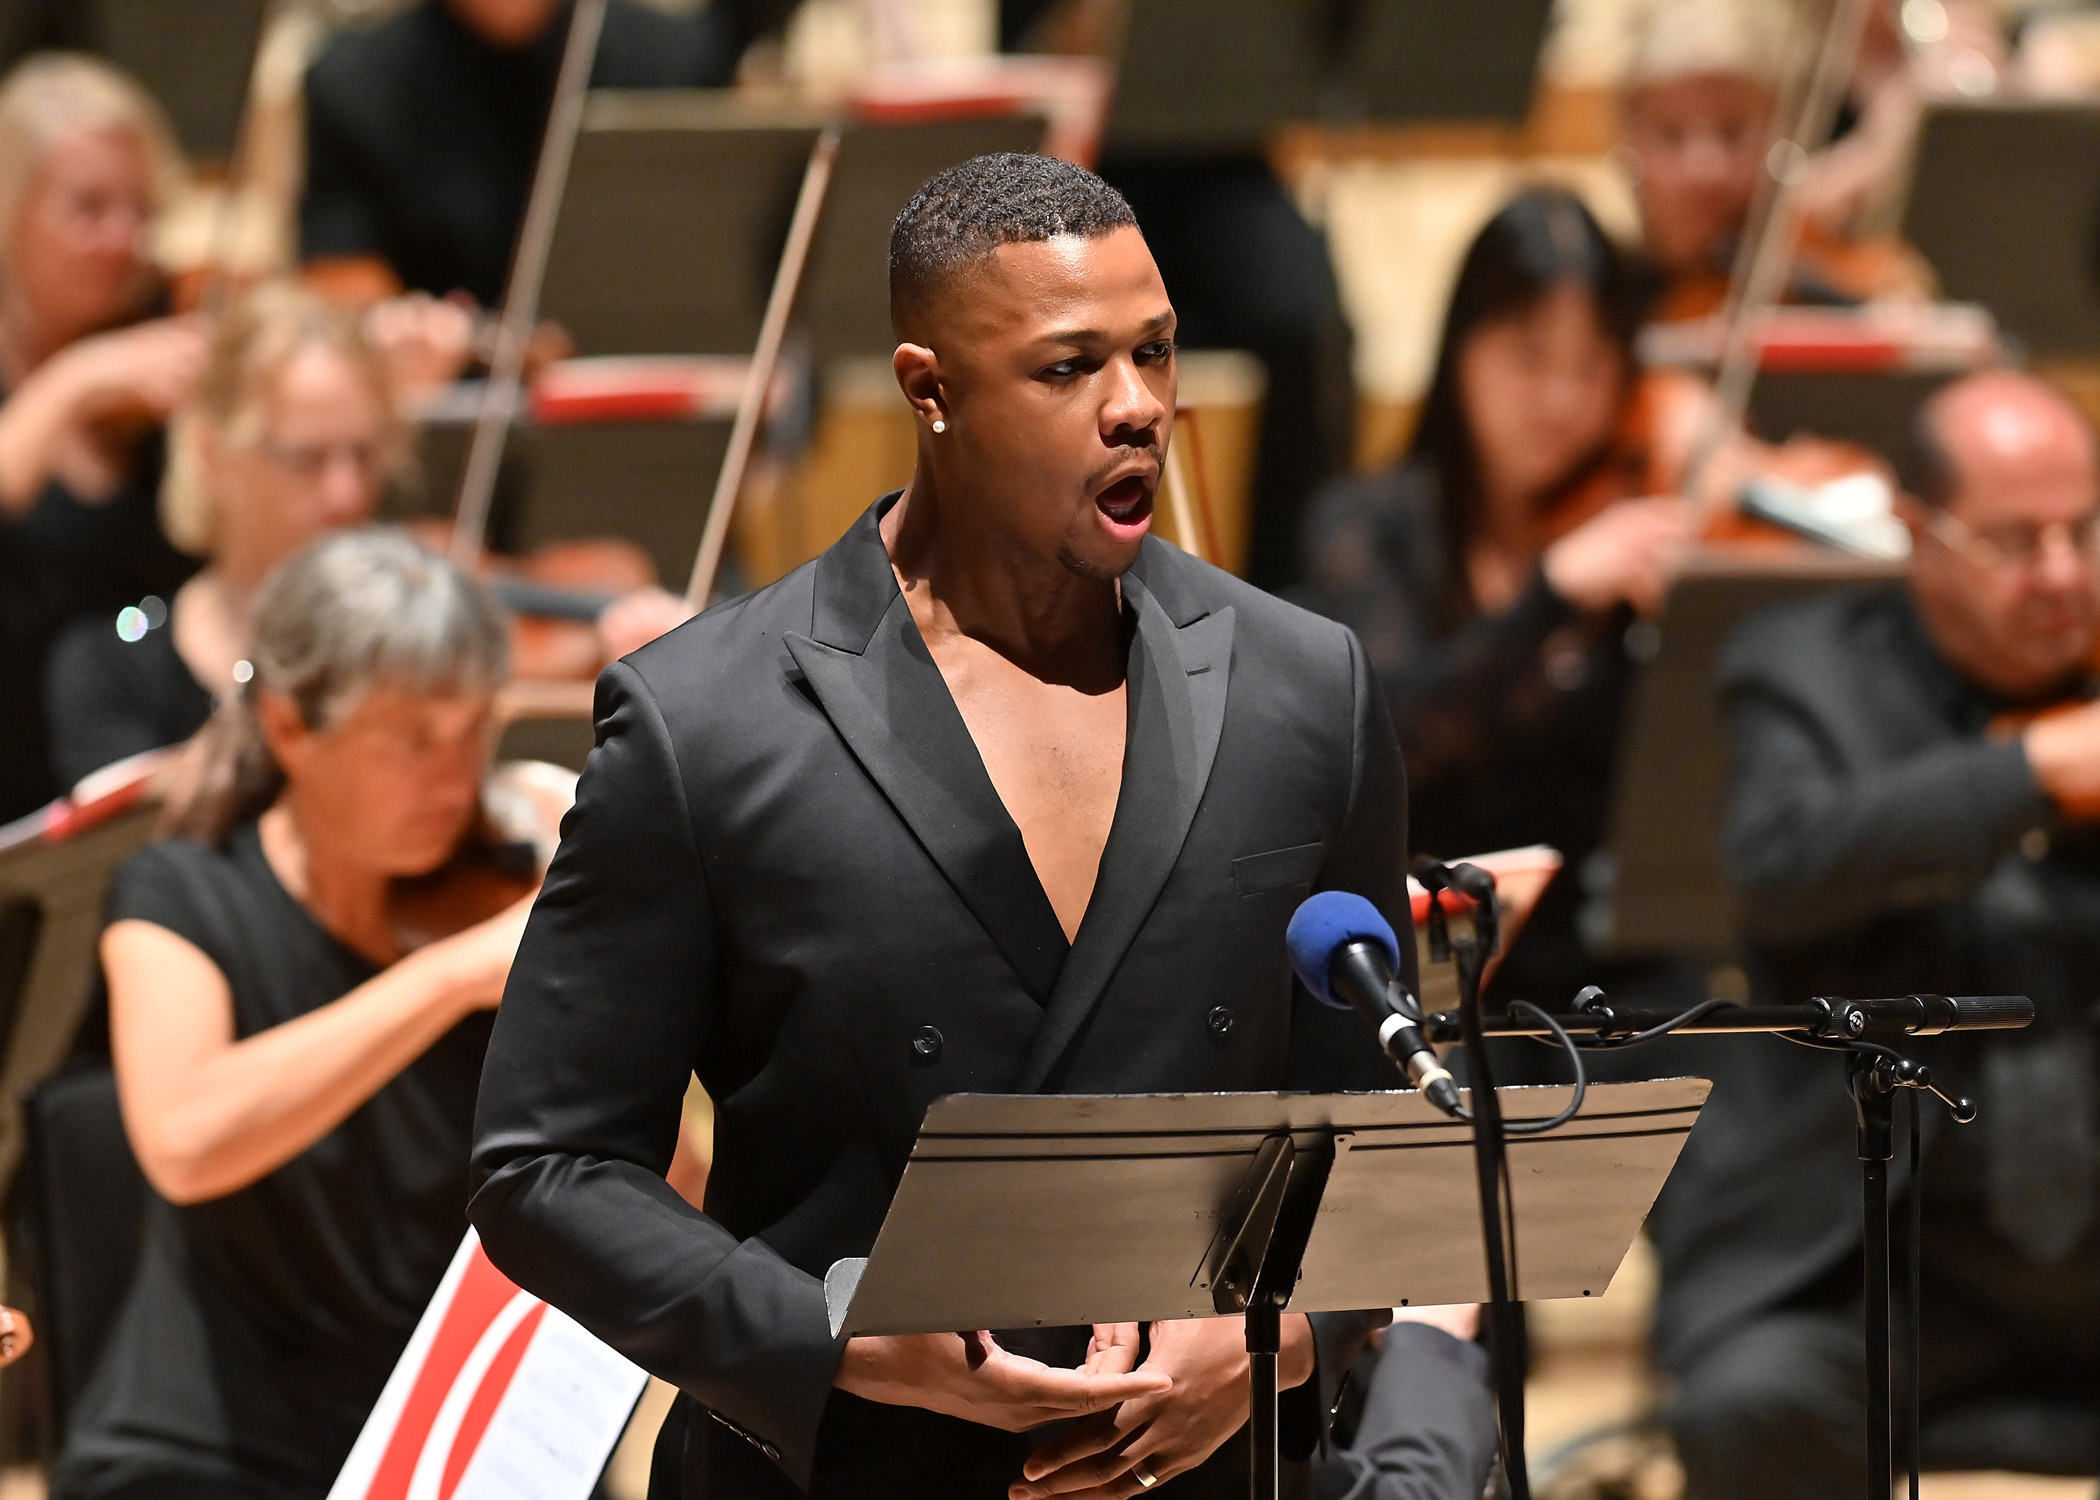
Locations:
1056 1210
51 895
1199 75
194 57
678 203
2005 204
1660 886
669 233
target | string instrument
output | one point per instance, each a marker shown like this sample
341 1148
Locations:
1827 269
1663 415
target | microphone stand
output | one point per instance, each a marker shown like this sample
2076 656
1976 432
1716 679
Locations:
1505 1315
1875 1074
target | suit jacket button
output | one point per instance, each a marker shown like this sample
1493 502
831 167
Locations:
925 1046
1220 1021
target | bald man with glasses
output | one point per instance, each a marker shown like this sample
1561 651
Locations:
1908 814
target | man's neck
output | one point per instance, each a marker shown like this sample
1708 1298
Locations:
967 579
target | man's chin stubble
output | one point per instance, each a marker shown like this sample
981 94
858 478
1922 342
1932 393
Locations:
1087 568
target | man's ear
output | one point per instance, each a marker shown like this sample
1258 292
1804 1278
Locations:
918 372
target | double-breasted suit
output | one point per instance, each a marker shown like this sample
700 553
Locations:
788 870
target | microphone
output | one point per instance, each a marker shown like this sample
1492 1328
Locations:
1344 952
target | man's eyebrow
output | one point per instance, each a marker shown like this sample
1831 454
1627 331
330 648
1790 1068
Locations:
1096 335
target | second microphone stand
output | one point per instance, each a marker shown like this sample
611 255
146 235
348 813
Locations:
1875 1075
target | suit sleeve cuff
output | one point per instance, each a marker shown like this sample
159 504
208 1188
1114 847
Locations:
776 1401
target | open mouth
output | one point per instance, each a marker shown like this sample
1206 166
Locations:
1126 505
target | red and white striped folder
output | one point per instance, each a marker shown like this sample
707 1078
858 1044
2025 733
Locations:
497 1397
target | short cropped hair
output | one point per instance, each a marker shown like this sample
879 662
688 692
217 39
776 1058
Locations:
1926 469
963 214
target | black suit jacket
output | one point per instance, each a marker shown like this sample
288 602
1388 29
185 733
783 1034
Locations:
788 871
1875 832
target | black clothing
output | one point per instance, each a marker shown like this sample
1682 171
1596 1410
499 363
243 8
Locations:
1422 1422
1246 271
1510 722
108 695
1883 843
261 1325
63 559
421 137
786 858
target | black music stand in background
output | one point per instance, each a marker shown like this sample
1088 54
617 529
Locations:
2005 204
1659 884
1206 75
1871 408
194 56
51 894
1057 1210
677 205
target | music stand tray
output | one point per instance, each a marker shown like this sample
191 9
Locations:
1052 1210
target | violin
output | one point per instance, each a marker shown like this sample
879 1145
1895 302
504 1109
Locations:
1828 270
1648 454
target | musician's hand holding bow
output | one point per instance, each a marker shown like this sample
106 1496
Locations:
1627 553
1126 1451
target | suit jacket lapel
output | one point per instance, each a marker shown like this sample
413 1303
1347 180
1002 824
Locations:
1177 688
877 683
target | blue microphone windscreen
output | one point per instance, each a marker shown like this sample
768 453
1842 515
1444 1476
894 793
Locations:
1324 923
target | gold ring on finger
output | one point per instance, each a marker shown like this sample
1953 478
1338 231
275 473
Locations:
1143 1475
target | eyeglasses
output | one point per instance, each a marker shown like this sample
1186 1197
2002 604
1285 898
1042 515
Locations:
309 461
2017 546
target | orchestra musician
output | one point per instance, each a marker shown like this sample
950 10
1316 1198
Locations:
423 128
292 431
1697 120
1899 821
289 434
998 794
88 375
1497 573
296 1055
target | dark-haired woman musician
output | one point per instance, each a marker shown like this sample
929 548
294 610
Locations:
1497 574
296 1063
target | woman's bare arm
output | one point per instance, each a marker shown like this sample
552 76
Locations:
208 1114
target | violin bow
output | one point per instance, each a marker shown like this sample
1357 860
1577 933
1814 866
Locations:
222 237
528 273
765 360
1760 276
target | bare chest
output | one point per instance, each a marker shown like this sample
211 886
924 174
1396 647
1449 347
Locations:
1055 757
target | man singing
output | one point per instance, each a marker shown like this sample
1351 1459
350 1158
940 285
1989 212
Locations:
996 795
